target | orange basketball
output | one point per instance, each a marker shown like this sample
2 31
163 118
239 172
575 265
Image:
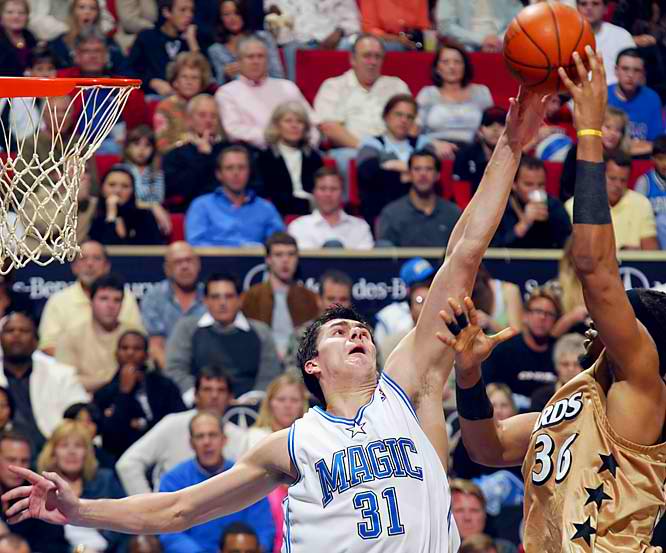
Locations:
543 37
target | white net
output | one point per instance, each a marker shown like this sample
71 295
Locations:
45 144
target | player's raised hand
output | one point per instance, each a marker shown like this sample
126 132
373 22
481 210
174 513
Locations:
48 498
526 114
590 94
466 337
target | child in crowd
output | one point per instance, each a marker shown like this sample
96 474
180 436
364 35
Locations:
653 186
142 161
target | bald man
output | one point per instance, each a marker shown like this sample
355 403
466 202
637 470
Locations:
179 295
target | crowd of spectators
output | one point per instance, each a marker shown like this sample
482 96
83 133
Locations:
120 398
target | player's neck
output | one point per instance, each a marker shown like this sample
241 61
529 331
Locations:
346 403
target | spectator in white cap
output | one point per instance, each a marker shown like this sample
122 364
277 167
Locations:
397 317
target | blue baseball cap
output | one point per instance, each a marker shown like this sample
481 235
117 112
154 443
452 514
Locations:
415 270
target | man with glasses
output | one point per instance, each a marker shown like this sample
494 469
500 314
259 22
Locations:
525 362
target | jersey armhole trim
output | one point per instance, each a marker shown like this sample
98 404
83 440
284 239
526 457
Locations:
401 394
292 454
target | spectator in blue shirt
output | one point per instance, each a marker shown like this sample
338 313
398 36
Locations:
639 102
232 215
207 439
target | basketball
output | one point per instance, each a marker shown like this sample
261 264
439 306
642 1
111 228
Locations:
543 37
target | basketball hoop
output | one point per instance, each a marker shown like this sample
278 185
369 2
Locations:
64 121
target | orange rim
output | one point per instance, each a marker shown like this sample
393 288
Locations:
38 87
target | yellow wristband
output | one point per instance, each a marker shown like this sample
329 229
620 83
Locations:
589 132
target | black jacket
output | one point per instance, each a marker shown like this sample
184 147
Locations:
276 181
10 62
121 409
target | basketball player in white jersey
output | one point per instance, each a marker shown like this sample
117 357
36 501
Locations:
367 473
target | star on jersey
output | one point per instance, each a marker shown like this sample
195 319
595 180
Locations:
597 495
608 463
584 531
382 394
358 428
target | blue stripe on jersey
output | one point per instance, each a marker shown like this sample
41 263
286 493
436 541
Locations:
448 517
401 393
287 518
343 420
292 453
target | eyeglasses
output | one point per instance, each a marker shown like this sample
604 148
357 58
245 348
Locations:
543 313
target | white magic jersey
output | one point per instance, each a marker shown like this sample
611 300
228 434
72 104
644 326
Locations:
371 484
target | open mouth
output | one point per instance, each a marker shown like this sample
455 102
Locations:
357 349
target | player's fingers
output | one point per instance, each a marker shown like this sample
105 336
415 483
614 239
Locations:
503 336
27 474
458 313
55 480
564 77
445 316
17 507
452 325
16 493
472 313
446 339
580 68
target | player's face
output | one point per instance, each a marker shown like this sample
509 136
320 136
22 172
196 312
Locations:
131 351
592 10
291 128
328 194
13 453
207 441
14 17
254 61
234 171
527 181
333 293
617 179
222 301
182 265
630 73
106 307
423 175
92 264
567 367
540 317
283 261
346 350
451 65
367 60
180 15
69 455
213 395
287 406
502 406
400 119
189 82
232 20
612 131
86 12
469 514
240 543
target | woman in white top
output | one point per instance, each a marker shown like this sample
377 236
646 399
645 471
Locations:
288 164
450 111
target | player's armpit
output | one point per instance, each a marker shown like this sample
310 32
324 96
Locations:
498 443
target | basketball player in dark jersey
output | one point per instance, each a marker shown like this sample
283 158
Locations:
594 460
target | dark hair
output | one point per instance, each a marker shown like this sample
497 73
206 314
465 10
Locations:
237 528
279 238
164 5
529 162
363 36
89 240
15 436
10 401
111 281
222 34
399 99
650 309
468 73
72 412
424 152
326 171
620 158
133 136
136 333
659 145
630 53
307 349
212 372
120 168
42 53
233 149
334 275
220 276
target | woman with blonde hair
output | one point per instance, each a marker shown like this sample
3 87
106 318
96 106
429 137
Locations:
285 401
574 312
288 164
69 452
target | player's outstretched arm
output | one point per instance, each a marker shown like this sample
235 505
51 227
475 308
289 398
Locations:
632 351
488 441
468 243
48 497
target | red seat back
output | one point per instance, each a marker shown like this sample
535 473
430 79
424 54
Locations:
177 227
553 176
104 162
639 167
